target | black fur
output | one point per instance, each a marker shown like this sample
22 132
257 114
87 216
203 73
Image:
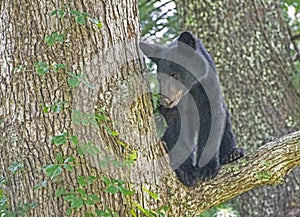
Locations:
177 108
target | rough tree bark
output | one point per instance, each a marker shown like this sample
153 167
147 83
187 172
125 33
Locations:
235 179
109 59
107 56
250 44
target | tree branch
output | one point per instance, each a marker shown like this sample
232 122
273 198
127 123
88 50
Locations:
266 166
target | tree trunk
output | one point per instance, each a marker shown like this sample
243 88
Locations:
250 44
106 54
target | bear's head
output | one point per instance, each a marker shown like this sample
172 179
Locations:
179 66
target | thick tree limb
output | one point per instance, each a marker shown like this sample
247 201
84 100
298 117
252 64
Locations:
266 166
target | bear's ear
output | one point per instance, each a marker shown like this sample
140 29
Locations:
151 51
188 39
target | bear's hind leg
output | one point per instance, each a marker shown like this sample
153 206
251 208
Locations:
228 150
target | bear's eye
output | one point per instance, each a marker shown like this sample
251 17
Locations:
174 75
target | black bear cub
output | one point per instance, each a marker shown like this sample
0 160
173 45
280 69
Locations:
199 137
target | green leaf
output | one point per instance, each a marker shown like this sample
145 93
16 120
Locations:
111 132
2 181
75 13
87 83
60 139
95 21
69 211
76 116
53 170
90 179
133 156
89 202
85 14
69 197
81 180
93 150
296 80
54 12
86 119
61 13
111 189
73 82
115 214
46 109
88 148
59 192
103 163
39 185
124 145
87 214
80 20
100 117
116 163
15 166
27 206
125 191
145 211
94 198
19 68
74 140
103 213
42 68
59 158
71 74
132 212
69 160
99 25
76 203
56 67
80 150
68 167
114 133
56 109
82 193
118 182
50 40
106 180
60 38
151 194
